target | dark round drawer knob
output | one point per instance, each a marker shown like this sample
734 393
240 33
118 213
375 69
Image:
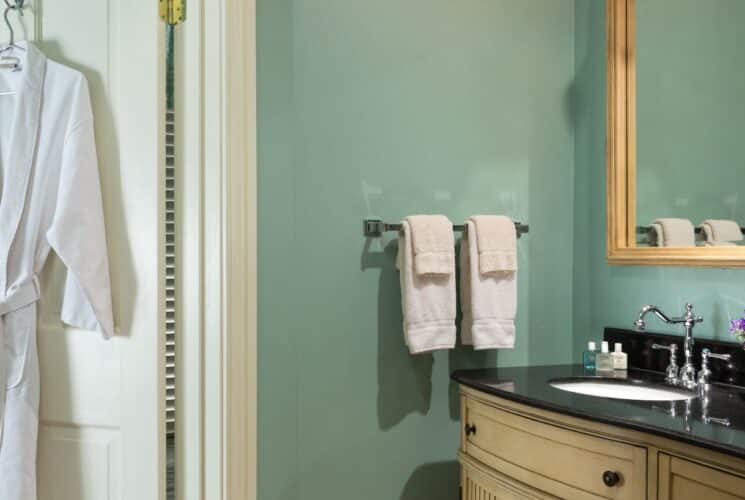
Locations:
611 478
470 429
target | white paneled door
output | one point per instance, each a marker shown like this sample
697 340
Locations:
101 409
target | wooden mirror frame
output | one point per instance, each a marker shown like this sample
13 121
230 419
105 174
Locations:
621 159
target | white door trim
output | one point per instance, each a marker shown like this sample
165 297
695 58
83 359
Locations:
218 378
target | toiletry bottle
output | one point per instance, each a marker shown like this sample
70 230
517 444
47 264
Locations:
620 359
602 360
588 357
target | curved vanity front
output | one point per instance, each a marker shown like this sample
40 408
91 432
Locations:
523 437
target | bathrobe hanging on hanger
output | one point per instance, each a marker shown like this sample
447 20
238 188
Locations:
51 200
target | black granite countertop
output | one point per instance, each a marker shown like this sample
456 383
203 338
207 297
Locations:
681 420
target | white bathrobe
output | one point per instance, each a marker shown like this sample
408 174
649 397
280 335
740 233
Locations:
51 200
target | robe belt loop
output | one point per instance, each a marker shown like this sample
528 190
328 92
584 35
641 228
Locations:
21 296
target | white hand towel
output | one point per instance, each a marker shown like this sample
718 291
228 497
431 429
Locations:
488 301
497 243
673 233
721 232
433 243
428 301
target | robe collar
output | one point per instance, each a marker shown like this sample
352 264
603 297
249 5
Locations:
22 153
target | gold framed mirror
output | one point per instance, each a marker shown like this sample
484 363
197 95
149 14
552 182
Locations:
670 170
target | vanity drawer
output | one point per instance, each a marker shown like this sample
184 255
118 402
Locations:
555 460
681 479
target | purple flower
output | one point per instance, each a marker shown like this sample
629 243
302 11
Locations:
737 329
737 325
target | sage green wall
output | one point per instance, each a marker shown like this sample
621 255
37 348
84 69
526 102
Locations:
611 296
387 108
690 111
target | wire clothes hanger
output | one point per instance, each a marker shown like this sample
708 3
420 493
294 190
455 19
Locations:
7 61
18 6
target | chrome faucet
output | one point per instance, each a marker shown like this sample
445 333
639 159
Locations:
687 376
671 372
704 382
704 376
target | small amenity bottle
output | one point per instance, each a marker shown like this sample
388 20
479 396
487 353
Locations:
603 362
620 359
588 357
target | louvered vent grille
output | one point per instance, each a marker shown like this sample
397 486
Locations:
170 248
170 273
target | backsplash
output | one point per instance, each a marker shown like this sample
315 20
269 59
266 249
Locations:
642 357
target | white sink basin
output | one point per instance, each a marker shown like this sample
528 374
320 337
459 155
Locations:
618 389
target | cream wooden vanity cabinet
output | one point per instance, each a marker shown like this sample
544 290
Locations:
513 451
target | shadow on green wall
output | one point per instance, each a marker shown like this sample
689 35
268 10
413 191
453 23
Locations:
435 481
462 358
405 381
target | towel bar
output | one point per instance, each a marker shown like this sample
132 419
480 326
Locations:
641 230
373 228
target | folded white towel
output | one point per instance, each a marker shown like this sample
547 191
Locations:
721 232
433 243
488 301
497 243
428 302
673 233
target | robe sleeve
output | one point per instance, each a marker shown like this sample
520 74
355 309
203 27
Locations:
78 235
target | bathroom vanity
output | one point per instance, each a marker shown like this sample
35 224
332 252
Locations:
522 437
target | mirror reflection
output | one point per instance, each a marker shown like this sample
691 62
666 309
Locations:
690 180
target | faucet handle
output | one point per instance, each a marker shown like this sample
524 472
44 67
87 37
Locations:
690 316
671 372
673 348
704 375
706 354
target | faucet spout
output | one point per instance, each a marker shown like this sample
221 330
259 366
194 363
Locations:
689 320
640 325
